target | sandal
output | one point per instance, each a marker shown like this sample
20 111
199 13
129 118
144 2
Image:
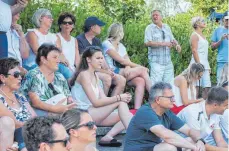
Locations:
112 143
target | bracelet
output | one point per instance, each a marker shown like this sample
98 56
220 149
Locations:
202 140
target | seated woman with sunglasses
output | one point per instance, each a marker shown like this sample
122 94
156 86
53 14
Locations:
13 104
184 87
90 96
118 60
42 19
69 44
81 129
47 89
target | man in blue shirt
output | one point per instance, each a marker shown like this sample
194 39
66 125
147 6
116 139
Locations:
151 129
220 40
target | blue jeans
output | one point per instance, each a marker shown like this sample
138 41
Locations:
219 69
3 46
18 138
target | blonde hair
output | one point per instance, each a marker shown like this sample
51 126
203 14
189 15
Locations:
115 31
224 75
190 75
195 20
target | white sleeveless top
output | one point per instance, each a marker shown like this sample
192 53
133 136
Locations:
48 38
80 96
69 50
178 99
202 52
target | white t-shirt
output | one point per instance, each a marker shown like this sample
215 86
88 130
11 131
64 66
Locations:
5 17
196 117
14 45
69 50
106 45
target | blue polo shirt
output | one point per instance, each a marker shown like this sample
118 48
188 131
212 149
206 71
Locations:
223 47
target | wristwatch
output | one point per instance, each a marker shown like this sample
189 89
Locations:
202 140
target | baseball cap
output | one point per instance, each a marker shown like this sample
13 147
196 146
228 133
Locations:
92 20
226 15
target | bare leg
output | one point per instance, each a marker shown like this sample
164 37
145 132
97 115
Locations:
139 84
7 127
164 147
106 79
120 83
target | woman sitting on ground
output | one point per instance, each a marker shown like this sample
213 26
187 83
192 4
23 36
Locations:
69 44
47 89
184 87
81 129
90 96
118 60
42 19
13 104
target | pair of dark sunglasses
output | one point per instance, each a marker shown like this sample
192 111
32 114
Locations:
67 22
90 125
53 89
65 141
16 74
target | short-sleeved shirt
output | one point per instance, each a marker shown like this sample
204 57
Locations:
160 55
5 16
83 42
106 45
195 117
223 47
139 137
36 82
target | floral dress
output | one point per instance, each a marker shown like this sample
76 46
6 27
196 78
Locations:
36 82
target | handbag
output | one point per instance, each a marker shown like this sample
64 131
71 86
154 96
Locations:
118 65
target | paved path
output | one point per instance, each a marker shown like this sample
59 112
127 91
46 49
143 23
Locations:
100 148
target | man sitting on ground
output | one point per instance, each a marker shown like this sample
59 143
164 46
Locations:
203 117
151 129
45 134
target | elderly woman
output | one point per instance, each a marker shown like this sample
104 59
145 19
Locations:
47 89
42 19
69 44
118 60
184 87
90 96
199 46
81 129
13 104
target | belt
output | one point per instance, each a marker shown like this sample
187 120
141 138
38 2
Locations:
2 32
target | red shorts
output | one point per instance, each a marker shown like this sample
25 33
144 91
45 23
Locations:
176 109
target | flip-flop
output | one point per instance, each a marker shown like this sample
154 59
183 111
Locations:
112 143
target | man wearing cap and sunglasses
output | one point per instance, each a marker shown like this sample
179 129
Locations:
45 133
220 40
92 28
7 9
152 127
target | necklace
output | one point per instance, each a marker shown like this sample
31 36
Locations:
12 100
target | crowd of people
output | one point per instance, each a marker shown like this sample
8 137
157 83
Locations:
55 89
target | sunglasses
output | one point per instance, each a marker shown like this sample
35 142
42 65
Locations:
67 22
163 35
90 125
53 89
16 74
65 141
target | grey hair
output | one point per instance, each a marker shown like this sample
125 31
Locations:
223 75
217 95
37 16
195 20
156 10
158 90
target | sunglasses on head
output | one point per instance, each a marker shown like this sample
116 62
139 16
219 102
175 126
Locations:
90 125
67 22
16 74
65 141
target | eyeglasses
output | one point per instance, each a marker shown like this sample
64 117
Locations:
16 74
171 98
67 22
90 125
53 89
65 141
48 16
